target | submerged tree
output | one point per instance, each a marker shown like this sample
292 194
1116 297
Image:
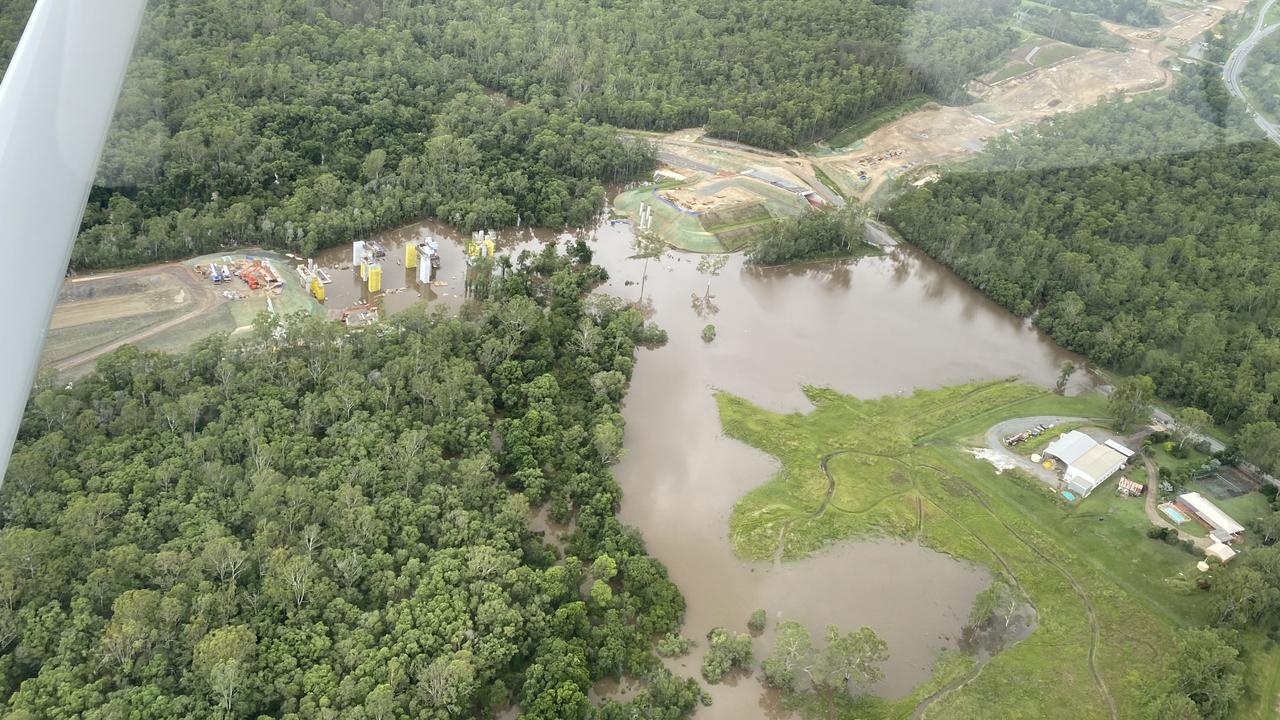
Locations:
728 652
1064 376
848 661
792 655
711 265
649 246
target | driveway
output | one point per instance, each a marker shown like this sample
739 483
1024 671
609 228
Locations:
1153 512
998 432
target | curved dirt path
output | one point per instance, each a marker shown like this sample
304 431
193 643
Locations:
204 298
1153 513
822 507
922 706
918 712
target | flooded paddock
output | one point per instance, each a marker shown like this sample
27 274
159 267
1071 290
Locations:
875 326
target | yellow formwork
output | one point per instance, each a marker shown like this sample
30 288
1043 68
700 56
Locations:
317 289
375 278
410 255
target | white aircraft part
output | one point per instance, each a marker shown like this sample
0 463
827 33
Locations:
56 103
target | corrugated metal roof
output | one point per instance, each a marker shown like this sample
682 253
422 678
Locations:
1099 463
1210 513
1119 448
1070 447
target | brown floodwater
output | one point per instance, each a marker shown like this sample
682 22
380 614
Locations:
400 287
875 326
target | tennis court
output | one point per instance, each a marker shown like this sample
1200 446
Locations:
1226 483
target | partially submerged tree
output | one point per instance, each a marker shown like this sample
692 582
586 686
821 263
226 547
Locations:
711 265
728 652
853 658
792 655
848 661
649 246
1064 376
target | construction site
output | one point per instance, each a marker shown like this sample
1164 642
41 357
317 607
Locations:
716 212
704 179
167 307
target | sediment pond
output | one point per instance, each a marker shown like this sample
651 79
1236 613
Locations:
878 325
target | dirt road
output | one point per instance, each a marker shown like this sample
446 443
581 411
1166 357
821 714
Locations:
1156 517
203 295
936 134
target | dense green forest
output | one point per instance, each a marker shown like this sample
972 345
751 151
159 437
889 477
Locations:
1069 27
298 124
1128 12
1137 234
812 235
314 523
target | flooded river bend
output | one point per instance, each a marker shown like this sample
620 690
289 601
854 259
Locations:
875 326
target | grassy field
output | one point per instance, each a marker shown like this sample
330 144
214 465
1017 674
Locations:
1109 600
1050 52
1057 52
829 181
686 230
1164 458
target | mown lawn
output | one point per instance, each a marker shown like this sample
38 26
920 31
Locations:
1012 70
1050 54
1161 454
901 469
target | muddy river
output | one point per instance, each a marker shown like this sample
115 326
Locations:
879 325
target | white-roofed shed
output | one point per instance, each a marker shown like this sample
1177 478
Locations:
1210 513
1070 447
1089 462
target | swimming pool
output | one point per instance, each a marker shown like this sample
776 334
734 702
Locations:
1174 514
1068 495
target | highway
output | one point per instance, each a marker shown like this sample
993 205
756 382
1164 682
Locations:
1236 62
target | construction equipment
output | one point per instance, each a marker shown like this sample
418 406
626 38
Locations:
481 245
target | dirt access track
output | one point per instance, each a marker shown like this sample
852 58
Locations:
935 134
100 313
